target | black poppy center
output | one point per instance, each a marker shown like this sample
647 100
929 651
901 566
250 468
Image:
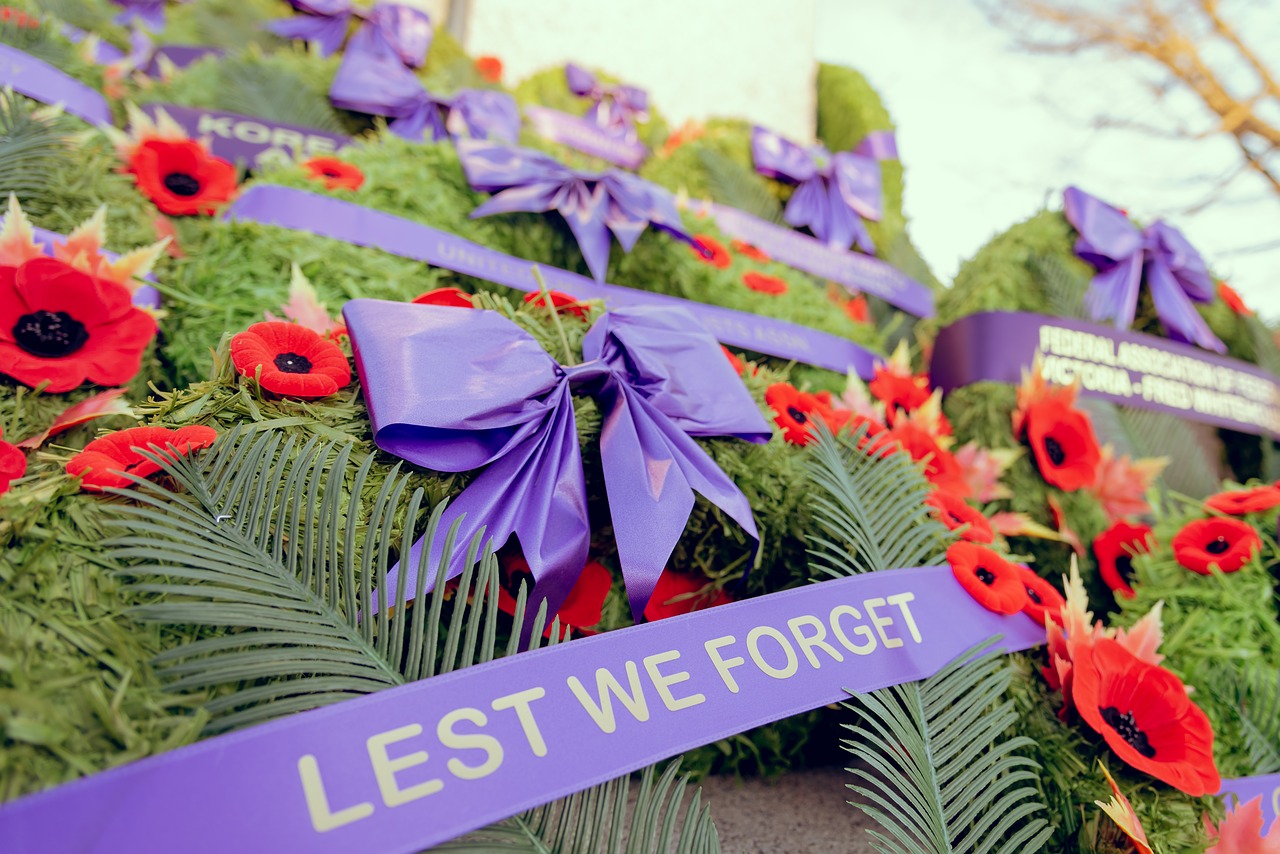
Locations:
330 172
181 184
956 519
985 575
1218 546
1124 566
293 363
800 417
49 334
1054 450
1034 596
1127 728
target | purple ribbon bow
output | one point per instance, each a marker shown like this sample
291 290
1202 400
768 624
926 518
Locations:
149 12
1125 257
372 80
403 30
616 108
592 203
455 389
836 192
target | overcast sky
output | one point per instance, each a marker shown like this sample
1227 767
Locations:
989 135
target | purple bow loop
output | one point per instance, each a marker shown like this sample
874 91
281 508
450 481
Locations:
490 396
593 204
615 108
1125 257
834 192
150 13
404 31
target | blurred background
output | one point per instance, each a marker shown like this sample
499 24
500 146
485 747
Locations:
1166 108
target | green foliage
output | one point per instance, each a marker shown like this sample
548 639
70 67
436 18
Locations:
230 24
278 557
46 43
1253 696
730 183
33 141
92 16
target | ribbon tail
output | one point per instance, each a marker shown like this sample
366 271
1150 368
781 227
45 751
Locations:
808 207
1177 312
425 116
1113 293
586 219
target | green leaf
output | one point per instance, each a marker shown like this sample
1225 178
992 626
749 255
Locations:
275 551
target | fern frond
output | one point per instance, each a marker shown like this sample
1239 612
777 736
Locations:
870 510
31 146
251 87
1194 447
1254 698
1064 288
274 550
736 186
937 774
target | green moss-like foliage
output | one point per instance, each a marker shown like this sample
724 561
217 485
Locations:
230 24
91 16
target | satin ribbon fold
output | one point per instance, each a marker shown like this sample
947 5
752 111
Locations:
455 389
594 204
835 192
1125 257
615 108
403 30
150 13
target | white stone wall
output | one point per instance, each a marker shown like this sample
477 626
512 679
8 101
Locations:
697 58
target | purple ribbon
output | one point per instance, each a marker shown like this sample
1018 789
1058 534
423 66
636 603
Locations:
40 81
145 57
248 139
1247 788
372 80
835 192
1127 368
587 137
149 12
660 380
356 776
403 30
1125 257
592 203
614 108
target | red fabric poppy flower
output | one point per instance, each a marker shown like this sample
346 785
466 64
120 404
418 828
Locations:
1233 300
1044 602
336 174
564 304
940 465
104 462
763 284
1242 501
858 310
955 513
708 250
489 67
677 593
795 411
739 367
182 178
1065 447
899 391
13 465
1144 714
746 250
294 360
1225 543
453 297
1115 547
581 609
62 326
986 576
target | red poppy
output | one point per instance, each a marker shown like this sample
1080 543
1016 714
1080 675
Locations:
858 310
62 326
708 250
489 67
564 304
677 593
336 174
453 297
13 465
1233 300
104 462
739 367
1065 447
955 513
1043 599
182 178
746 250
875 440
1243 501
293 359
18 18
795 411
899 391
763 284
581 609
1115 547
1144 714
940 465
1225 543
990 579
